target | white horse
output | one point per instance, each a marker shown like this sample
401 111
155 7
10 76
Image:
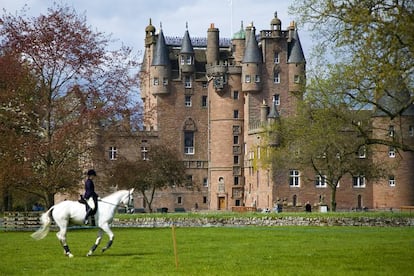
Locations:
72 212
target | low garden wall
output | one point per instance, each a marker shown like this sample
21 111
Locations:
29 221
262 221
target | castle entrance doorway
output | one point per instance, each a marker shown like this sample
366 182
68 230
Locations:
222 203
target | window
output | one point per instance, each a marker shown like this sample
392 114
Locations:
294 178
247 78
391 131
391 180
235 159
362 152
189 142
179 200
189 59
320 181
188 101
276 58
165 81
358 181
391 152
235 95
204 200
236 180
144 153
156 81
411 131
257 78
276 77
236 130
204 84
235 114
204 101
276 99
205 182
235 139
187 82
189 182
113 152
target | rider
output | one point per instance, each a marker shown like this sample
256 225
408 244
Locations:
90 196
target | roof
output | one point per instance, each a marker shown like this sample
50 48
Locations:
161 52
186 45
295 50
252 53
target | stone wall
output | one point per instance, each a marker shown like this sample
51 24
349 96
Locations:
262 221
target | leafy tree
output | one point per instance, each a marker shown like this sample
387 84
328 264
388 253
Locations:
161 170
322 143
77 85
365 48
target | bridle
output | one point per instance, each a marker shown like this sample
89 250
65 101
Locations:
127 206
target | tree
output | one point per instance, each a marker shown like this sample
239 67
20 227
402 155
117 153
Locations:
78 86
163 169
323 143
367 49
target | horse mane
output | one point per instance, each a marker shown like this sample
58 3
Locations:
114 194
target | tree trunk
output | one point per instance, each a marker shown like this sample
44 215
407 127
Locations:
333 199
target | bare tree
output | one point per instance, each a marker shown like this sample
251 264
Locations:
78 85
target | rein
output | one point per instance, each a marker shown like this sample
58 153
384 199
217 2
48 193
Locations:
119 205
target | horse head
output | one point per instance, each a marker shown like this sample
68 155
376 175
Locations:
128 199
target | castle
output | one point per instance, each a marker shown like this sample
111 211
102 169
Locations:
211 97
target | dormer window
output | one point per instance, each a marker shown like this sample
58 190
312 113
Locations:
187 59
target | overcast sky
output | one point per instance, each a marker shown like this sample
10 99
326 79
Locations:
126 20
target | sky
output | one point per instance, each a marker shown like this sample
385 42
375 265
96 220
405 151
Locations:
125 20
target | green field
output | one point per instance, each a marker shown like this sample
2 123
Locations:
217 251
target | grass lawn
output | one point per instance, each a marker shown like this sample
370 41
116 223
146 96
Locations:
217 251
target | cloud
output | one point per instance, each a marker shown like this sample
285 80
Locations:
126 20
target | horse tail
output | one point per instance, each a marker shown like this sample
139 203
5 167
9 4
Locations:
44 229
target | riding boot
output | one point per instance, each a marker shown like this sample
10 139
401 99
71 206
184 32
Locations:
88 213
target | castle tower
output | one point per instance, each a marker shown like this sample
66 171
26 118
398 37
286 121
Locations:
252 61
225 126
187 61
297 67
160 70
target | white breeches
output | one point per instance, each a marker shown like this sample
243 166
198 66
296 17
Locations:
91 203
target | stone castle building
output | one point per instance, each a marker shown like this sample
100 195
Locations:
211 97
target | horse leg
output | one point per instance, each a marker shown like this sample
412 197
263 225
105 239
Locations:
61 235
98 240
110 235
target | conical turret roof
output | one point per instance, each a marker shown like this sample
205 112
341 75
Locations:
295 49
186 45
161 52
252 53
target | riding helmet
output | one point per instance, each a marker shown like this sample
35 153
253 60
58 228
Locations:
91 172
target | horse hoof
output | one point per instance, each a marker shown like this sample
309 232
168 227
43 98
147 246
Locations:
89 254
70 255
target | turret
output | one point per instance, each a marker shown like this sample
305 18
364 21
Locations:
252 64
239 44
187 55
160 70
296 61
276 26
149 34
